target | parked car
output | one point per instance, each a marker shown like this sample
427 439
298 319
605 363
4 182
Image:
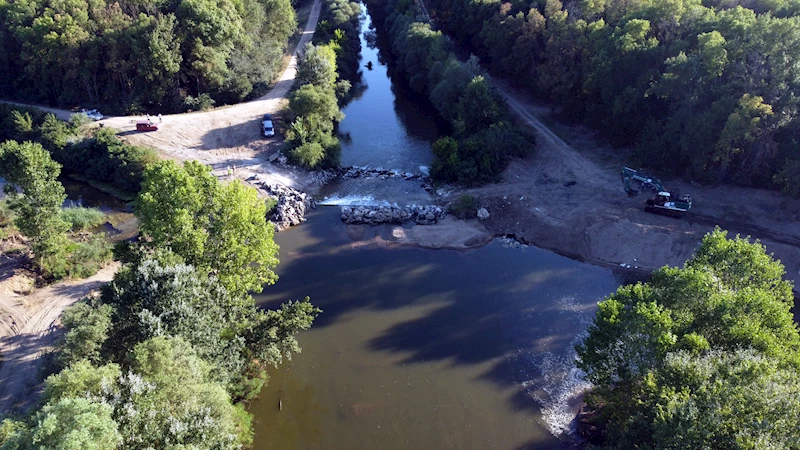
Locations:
146 125
92 114
267 128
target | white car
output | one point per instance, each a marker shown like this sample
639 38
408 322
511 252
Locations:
267 129
92 114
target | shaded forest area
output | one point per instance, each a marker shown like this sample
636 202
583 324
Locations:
705 89
130 56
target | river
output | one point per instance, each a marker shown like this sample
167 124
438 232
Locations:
387 127
420 348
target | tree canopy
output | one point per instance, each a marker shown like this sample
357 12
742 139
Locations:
214 226
485 138
704 356
143 54
325 71
28 166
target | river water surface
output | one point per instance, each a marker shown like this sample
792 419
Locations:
424 349
385 126
420 349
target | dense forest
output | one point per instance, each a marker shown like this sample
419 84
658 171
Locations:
705 89
132 56
175 343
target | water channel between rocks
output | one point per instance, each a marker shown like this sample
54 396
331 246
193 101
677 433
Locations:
419 348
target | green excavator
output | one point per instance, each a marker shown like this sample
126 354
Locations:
665 203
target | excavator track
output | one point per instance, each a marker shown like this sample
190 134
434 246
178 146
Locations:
663 212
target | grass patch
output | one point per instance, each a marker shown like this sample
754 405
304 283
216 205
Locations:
110 189
86 258
80 218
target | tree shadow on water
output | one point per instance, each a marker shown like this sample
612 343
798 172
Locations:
491 307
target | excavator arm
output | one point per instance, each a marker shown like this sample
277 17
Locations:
646 181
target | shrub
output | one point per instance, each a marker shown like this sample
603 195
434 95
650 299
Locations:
465 207
80 218
308 155
200 103
6 214
86 258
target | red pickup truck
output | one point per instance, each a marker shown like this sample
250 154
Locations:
146 125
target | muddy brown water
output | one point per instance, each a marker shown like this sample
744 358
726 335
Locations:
424 348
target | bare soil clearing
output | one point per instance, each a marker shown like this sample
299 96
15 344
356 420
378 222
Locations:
28 328
594 219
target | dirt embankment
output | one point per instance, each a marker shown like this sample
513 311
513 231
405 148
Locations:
28 327
572 201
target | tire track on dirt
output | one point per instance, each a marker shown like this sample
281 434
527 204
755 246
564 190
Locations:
22 351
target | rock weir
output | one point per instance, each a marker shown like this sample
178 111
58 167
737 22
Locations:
374 215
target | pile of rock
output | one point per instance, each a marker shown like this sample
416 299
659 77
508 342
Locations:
365 172
373 215
322 177
292 205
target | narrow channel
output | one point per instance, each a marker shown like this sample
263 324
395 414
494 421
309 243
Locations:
385 126
420 348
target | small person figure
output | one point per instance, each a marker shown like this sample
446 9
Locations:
234 168
230 172
148 117
160 119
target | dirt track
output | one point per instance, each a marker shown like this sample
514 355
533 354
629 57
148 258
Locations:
28 329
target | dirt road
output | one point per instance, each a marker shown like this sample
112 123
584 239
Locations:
28 329
225 136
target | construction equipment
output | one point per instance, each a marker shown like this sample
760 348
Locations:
665 203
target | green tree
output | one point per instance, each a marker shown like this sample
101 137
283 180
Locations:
309 154
166 398
75 424
726 400
217 227
317 66
82 379
316 101
38 211
161 298
170 399
478 108
729 296
88 324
